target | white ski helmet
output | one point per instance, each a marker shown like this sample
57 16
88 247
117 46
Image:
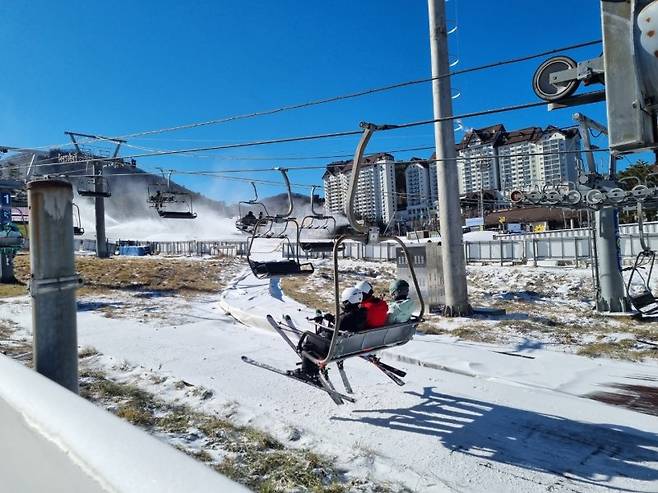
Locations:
353 296
364 286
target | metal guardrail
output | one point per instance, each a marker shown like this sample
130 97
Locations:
184 248
505 249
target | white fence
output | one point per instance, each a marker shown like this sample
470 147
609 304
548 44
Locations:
571 246
187 248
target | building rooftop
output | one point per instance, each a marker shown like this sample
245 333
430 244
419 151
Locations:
342 166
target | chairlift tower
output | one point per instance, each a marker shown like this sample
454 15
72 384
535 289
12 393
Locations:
99 189
629 70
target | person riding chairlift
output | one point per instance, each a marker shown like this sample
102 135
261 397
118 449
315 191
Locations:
249 219
352 319
376 308
402 307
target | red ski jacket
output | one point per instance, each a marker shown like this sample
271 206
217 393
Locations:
376 312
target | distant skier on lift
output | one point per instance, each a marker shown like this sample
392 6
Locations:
249 219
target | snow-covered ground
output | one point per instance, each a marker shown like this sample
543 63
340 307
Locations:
473 416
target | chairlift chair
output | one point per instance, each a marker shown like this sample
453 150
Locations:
248 205
78 230
348 344
638 286
11 237
163 199
317 221
278 268
342 344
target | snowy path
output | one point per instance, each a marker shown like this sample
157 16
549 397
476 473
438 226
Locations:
492 422
488 421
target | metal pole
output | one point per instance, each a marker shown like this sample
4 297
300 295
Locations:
454 270
611 296
7 271
53 281
101 241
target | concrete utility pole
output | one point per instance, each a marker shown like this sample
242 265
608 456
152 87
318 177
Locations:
454 270
99 200
53 281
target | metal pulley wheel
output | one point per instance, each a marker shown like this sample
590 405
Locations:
535 196
616 195
640 192
549 91
573 197
594 197
516 196
552 196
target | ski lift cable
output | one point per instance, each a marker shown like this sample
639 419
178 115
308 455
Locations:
364 92
322 166
322 136
200 173
317 102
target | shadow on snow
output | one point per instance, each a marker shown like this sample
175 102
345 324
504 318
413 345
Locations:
590 453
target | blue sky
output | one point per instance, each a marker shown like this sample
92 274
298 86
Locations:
124 67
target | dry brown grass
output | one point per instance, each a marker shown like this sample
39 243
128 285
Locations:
146 273
252 457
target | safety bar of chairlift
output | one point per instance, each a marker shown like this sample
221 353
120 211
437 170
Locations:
272 221
640 228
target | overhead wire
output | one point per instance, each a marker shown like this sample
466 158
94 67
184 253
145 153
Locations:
324 166
321 136
364 92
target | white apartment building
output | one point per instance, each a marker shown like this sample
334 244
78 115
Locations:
495 159
421 190
490 159
376 193
477 163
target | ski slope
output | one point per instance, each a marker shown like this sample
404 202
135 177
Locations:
468 419
471 419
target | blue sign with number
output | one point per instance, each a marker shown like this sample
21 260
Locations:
5 199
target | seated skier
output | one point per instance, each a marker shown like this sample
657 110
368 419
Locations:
352 319
376 308
249 219
402 307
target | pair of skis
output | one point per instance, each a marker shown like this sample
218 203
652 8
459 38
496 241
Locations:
322 381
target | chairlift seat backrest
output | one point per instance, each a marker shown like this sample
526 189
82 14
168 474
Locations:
280 268
94 193
644 300
319 246
355 343
176 214
11 241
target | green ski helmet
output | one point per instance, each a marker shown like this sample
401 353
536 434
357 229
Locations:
399 287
